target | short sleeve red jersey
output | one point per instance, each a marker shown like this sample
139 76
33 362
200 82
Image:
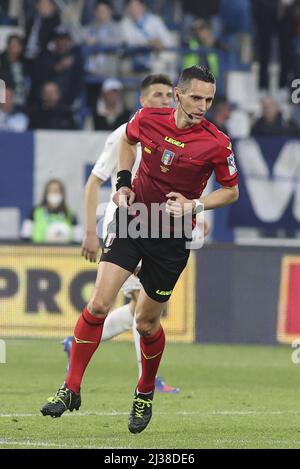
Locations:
178 160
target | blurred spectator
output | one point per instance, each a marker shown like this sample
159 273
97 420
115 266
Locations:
5 16
110 112
103 31
63 65
39 29
201 9
229 119
72 12
143 29
12 69
202 36
296 39
272 123
118 7
274 18
10 118
236 19
220 113
51 113
28 9
208 10
52 221
236 16
171 12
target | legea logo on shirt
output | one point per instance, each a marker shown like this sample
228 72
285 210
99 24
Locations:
231 164
174 142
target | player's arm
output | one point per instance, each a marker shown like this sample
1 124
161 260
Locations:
219 198
90 245
124 195
127 154
177 204
226 175
102 171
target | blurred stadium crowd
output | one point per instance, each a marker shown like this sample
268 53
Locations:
77 64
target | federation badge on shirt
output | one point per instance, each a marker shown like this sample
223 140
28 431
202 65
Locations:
231 164
167 157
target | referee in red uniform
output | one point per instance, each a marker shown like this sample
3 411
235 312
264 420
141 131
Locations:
180 151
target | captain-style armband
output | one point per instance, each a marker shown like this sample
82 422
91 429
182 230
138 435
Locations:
123 179
198 207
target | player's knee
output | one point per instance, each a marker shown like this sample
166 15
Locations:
145 326
98 307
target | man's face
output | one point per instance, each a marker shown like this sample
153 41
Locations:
157 95
63 44
196 99
50 95
135 9
112 97
270 108
103 12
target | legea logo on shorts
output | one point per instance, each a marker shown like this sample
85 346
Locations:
2 351
163 292
2 92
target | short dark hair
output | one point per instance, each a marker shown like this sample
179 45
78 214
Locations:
198 72
155 79
14 37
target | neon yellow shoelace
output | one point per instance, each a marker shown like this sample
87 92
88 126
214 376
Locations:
140 406
58 397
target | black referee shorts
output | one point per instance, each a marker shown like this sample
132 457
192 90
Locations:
163 260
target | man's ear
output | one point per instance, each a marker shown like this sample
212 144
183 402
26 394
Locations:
176 94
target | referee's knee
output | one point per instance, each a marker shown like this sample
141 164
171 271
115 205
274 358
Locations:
145 327
98 307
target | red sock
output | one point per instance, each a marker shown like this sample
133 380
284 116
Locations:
87 337
152 349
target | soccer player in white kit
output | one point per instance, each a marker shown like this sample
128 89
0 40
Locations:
156 91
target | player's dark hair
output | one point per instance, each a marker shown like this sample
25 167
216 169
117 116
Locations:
198 72
155 79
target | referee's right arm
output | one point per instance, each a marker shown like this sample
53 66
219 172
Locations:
124 195
127 154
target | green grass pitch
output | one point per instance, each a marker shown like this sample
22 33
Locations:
231 397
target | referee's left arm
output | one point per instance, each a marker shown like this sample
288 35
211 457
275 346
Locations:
221 197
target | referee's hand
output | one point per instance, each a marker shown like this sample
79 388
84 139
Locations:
177 205
90 247
124 197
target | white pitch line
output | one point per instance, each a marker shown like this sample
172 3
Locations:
30 443
117 414
8 442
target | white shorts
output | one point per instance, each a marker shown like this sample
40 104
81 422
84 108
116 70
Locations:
132 284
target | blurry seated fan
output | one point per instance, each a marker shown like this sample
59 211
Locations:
52 221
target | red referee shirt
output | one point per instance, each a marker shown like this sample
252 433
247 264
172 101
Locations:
179 160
